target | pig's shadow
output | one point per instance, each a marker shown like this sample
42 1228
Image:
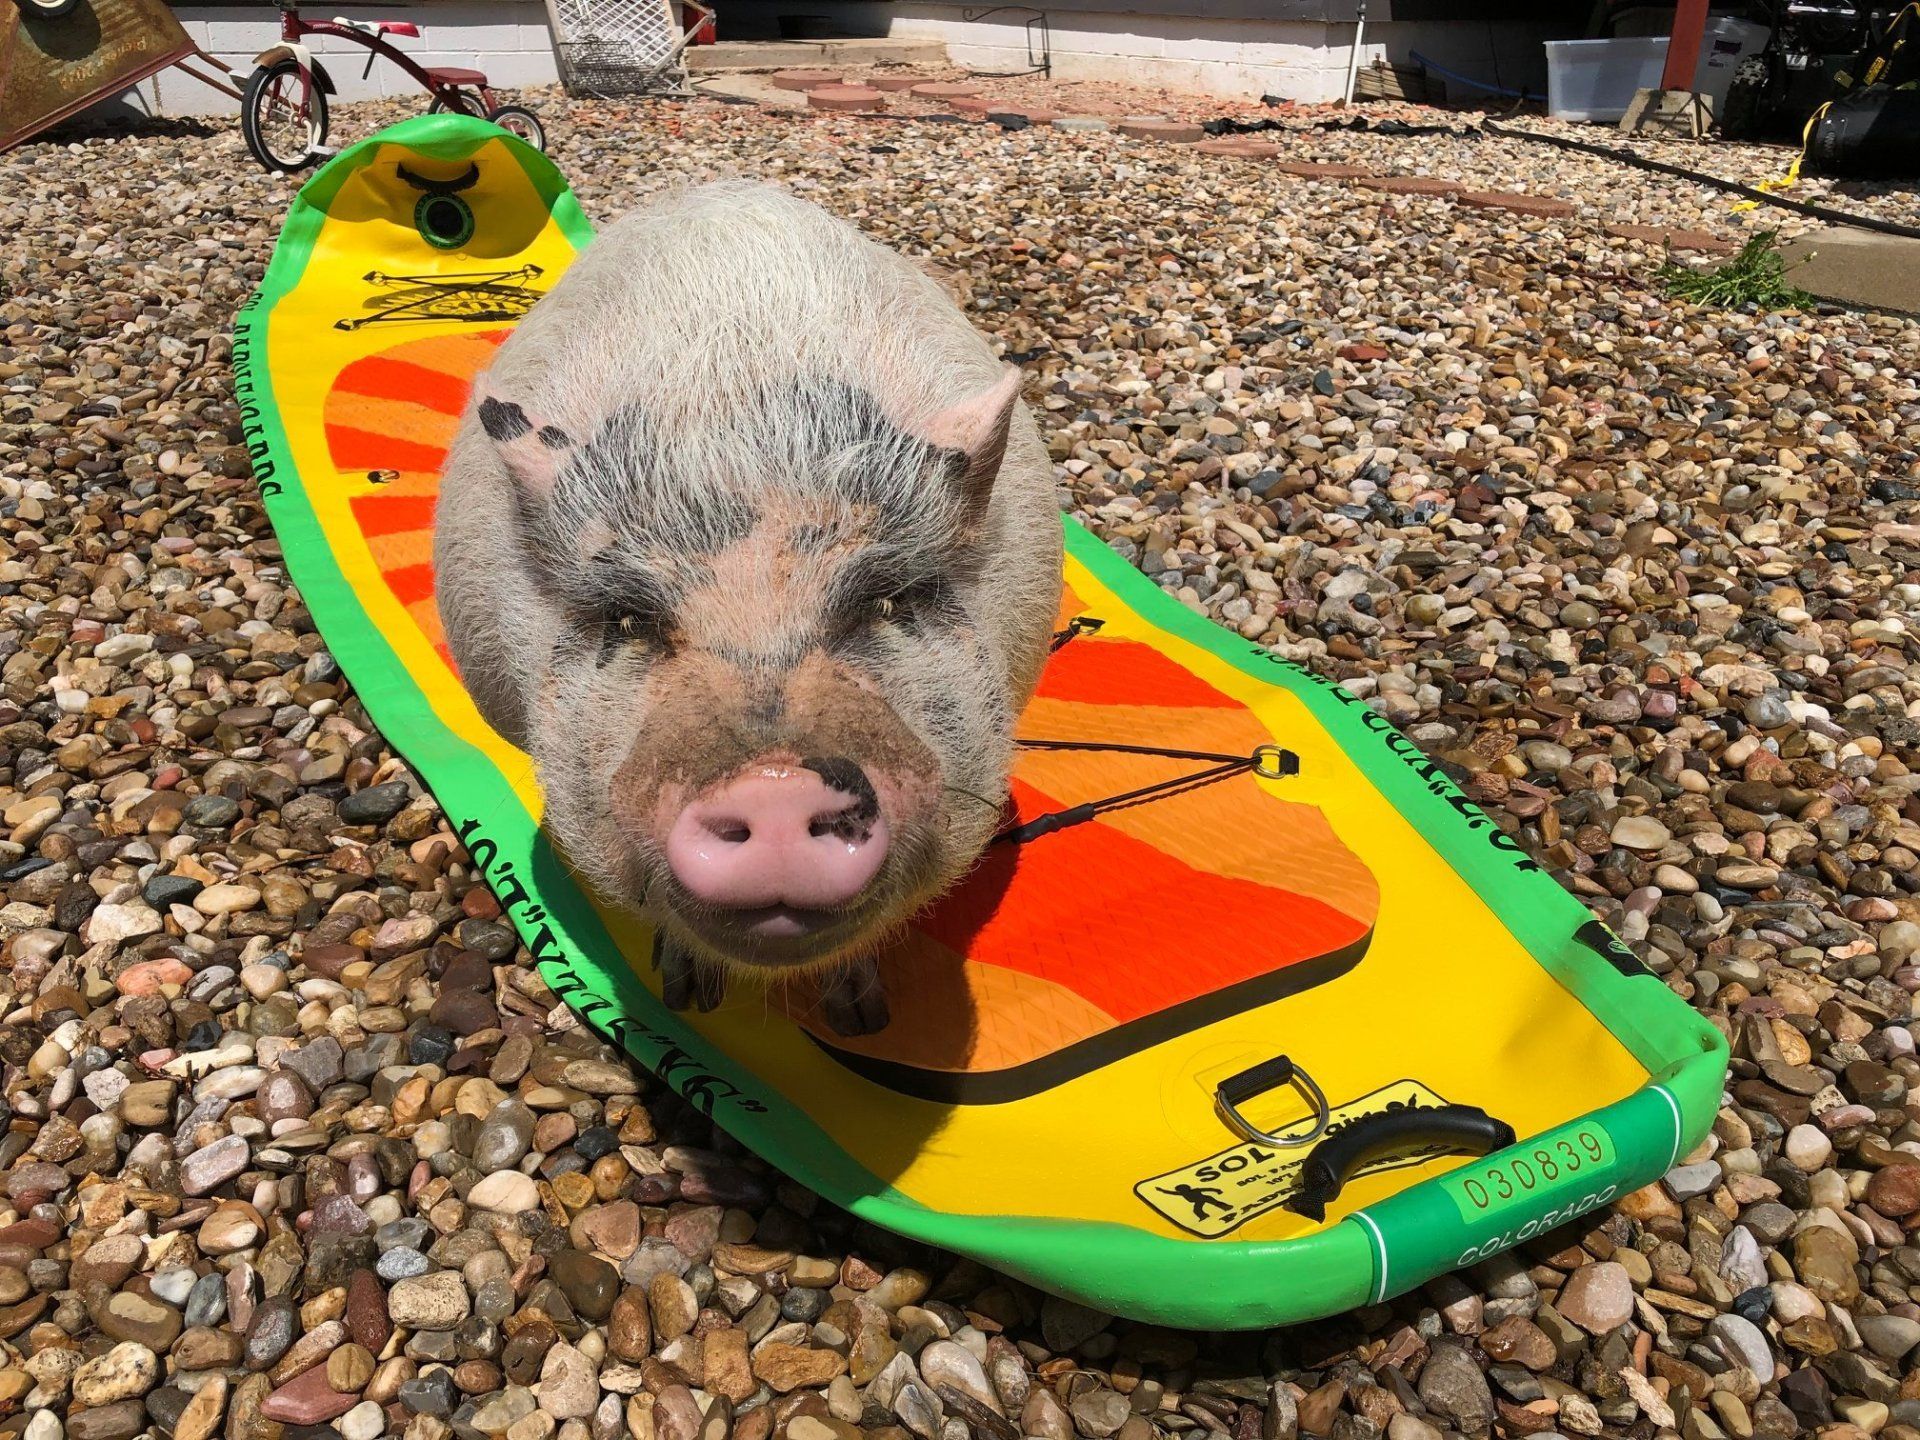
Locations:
927 993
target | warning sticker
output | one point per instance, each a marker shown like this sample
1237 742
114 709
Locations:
1219 1194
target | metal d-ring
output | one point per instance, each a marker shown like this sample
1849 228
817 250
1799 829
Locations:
1270 762
1235 1090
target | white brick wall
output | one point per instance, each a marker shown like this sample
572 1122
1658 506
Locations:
1235 55
1230 57
1303 59
508 39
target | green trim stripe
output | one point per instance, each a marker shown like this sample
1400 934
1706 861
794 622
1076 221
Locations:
1386 1249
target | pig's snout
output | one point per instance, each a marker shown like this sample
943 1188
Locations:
780 839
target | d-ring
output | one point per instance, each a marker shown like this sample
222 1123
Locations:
1237 1089
1270 762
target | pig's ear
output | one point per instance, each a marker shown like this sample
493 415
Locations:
532 452
977 429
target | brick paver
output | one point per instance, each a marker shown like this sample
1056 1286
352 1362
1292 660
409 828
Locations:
805 79
846 98
1679 239
1176 132
1545 207
1409 184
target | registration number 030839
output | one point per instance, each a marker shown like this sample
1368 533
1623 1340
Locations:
1566 1170
1527 1169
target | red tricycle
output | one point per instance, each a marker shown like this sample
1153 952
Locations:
283 112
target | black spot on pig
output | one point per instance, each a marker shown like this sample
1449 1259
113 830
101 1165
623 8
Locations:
634 480
503 420
849 779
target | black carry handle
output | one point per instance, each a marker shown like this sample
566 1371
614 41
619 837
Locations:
1448 1129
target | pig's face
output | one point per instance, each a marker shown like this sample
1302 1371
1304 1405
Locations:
772 721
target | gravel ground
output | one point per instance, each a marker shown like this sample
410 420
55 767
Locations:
295 1139
1601 189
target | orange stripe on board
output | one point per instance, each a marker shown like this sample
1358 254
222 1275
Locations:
391 415
385 378
461 354
409 550
410 583
410 483
362 450
392 514
1234 827
426 614
1093 671
938 1006
1134 950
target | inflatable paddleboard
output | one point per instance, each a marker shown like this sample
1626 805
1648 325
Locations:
1247 1017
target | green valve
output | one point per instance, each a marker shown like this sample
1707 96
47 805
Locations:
444 221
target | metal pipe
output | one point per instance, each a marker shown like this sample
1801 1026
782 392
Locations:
1353 58
1043 66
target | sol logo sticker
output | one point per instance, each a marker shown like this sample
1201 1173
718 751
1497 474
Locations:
1217 1195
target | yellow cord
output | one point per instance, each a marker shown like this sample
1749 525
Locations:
1792 174
1875 69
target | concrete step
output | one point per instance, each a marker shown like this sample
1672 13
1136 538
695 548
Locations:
813 54
1857 267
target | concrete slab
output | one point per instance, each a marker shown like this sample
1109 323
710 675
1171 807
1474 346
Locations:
751 85
1857 267
811 54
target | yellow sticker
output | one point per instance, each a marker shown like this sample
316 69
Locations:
1219 1194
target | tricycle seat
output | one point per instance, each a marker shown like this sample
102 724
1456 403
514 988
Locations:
450 75
378 29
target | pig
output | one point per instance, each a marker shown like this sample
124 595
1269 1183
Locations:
747 539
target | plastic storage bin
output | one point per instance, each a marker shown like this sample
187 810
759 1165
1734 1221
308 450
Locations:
1596 79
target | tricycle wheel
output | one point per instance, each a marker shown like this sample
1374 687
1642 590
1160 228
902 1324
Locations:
520 121
460 102
283 116
47 9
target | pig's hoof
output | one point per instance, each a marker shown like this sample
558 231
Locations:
686 982
855 1002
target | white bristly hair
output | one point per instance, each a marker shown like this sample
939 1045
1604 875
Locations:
725 355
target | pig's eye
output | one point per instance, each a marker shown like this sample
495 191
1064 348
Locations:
915 605
647 626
